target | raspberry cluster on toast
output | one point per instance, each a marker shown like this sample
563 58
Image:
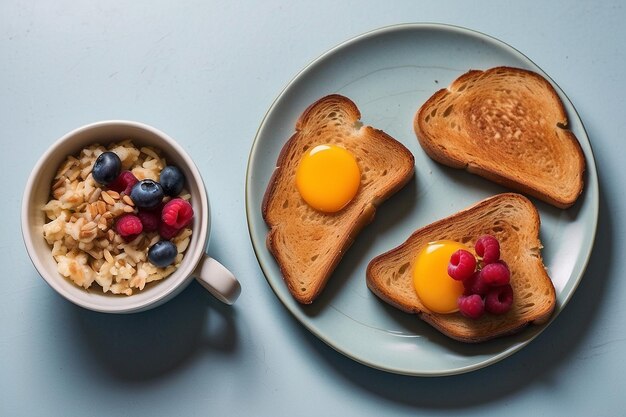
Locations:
514 221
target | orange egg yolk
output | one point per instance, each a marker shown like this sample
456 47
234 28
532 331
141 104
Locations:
328 178
434 287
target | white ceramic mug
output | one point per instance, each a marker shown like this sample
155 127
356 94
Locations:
196 263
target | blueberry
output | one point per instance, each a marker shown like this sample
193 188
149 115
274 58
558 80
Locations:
146 194
106 168
162 253
172 180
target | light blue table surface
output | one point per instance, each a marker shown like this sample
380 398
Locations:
206 72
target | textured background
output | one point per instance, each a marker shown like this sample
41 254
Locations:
205 72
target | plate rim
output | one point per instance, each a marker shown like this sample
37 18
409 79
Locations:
299 315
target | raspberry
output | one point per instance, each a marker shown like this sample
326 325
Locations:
471 306
166 231
476 285
123 183
499 299
128 226
488 248
177 213
496 274
462 265
150 220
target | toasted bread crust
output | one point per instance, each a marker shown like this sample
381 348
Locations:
389 275
509 126
349 107
307 244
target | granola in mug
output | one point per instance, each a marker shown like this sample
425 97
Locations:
81 223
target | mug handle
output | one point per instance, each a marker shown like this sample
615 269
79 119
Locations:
218 280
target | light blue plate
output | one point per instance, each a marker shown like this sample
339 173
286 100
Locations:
389 73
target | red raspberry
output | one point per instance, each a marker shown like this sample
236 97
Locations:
476 285
462 265
488 248
128 226
177 213
496 274
166 231
123 183
150 220
471 306
499 299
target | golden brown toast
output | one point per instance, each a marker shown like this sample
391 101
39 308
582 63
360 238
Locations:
514 221
308 244
507 125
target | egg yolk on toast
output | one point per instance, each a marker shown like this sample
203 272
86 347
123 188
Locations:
435 288
328 178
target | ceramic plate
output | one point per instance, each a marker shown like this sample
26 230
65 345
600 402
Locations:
389 73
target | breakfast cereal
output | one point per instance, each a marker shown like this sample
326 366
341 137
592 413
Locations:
81 216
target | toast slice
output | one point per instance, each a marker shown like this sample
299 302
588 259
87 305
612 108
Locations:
507 125
511 218
308 244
